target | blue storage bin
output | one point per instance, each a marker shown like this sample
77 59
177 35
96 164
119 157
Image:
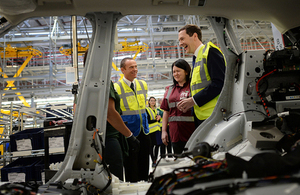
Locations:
36 137
21 165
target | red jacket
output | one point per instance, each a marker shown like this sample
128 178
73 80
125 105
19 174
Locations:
179 130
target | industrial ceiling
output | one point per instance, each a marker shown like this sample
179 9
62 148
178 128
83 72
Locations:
45 75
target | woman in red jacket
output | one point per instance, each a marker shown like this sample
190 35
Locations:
181 125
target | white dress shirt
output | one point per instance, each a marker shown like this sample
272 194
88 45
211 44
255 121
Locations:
128 82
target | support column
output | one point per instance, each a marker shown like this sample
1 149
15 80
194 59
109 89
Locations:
150 30
92 104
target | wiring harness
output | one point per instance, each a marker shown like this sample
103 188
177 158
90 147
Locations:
97 142
206 169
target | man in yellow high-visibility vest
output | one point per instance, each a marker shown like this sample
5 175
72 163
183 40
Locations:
208 73
133 96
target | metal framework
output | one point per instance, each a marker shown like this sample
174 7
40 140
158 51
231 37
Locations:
44 76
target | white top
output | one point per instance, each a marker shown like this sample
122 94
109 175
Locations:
128 82
197 50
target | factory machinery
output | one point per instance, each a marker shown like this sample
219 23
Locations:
250 140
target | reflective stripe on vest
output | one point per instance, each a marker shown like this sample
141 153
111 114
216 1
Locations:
140 90
181 118
173 105
160 121
153 126
132 112
204 76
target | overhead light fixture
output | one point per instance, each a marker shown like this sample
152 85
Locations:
193 3
160 2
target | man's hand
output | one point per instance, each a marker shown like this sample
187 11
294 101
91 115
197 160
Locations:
134 144
185 104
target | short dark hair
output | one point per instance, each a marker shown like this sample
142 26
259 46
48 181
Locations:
181 63
191 29
122 65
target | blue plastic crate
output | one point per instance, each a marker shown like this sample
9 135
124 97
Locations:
21 165
36 137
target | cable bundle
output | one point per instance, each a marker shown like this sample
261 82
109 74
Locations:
208 169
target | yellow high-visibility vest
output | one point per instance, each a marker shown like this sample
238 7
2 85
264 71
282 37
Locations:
133 105
153 126
201 79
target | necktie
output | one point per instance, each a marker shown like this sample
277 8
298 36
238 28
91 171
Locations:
194 60
132 87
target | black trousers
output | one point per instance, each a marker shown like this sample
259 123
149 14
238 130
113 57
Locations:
113 156
137 164
156 144
197 122
178 147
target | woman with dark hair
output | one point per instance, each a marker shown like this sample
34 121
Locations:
181 125
154 129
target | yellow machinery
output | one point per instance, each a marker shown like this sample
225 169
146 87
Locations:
10 52
131 46
124 46
68 52
13 52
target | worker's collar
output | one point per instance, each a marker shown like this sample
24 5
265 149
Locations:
184 85
128 82
197 50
